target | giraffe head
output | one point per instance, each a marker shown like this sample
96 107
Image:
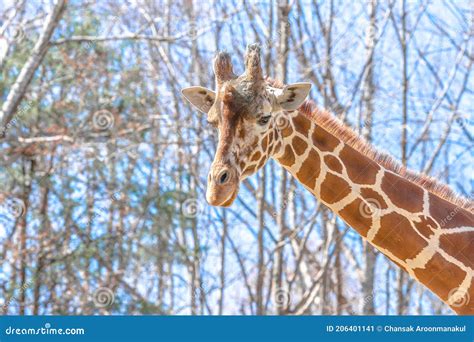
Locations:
245 110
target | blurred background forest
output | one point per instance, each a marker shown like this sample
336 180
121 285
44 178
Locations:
103 164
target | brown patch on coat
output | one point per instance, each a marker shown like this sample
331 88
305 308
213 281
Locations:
398 236
299 145
288 158
360 169
277 147
256 156
249 170
460 246
323 140
334 189
351 214
440 276
403 193
309 171
302 124
333 163
264 143
286 131
449 215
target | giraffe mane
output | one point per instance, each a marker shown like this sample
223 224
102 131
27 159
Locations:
334 126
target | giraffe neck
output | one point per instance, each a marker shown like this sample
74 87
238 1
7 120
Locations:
427 236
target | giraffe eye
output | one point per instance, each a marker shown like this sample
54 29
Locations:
263 120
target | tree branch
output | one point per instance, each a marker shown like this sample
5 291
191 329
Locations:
23 80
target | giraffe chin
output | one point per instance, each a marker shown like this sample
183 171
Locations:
217 200
231 200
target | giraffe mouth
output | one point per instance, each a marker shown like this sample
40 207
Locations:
219 197
231 200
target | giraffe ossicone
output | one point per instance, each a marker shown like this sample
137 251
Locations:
418 223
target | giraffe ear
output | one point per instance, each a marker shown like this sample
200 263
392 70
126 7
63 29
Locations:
201 98
293 95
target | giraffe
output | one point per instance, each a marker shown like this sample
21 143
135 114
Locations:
418 223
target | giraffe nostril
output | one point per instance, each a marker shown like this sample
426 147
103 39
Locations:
224 177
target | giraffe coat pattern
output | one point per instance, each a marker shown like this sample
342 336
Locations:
418 223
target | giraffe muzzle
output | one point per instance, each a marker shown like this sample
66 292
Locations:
222 186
